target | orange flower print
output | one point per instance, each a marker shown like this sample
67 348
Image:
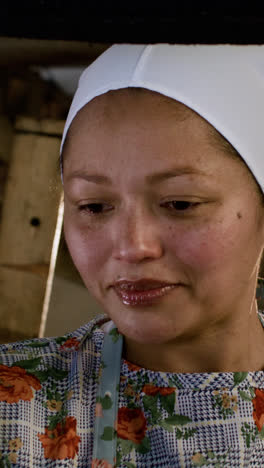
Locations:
151 390
16 384
131 424
62 442
70 343
132 367
101 463
258 405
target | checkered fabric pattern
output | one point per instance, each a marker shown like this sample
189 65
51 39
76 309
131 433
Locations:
47 408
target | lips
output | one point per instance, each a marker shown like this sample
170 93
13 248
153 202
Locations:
142 292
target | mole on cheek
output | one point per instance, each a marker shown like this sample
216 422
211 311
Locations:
239 215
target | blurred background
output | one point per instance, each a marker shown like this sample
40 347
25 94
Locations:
41 292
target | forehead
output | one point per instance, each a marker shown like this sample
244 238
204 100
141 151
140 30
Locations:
134 111
123 128
142 101
112 108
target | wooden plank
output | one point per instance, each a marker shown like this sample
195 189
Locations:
22 295
24 92
6 137
28 225
17 52
45 126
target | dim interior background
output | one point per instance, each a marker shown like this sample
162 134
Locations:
41 293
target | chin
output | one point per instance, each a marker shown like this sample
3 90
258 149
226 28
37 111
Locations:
146 335
152 327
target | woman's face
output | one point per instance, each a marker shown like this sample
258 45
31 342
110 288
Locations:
148 195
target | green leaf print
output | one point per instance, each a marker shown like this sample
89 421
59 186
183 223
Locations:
108 434
249 433
129 465
61 339
178 420
179 434
168 402
37 345
126 446
57 418
261 434
57 374
5 463
105 401
150 404
245 396
248 438
41 375
57 396
144 447
166 426
174 382
115 335
239 377
189 433
118 458
28 363
49 394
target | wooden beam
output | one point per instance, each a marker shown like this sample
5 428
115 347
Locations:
16 52
6 137
28 225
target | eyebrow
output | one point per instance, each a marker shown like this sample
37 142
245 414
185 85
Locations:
160 176
95 178
151 178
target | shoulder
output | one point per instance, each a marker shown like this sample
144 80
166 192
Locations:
42 382
88 336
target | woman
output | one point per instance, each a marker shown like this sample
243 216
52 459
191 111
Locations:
162 170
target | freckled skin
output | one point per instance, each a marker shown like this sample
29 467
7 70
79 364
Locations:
210 322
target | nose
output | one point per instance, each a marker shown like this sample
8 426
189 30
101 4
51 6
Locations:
137 238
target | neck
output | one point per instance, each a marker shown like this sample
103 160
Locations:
234 346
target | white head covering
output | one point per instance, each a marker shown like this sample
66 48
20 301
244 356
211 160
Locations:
224 84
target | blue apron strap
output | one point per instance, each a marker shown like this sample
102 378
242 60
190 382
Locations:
104 447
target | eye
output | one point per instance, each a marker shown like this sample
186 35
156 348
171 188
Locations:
95 208
180 205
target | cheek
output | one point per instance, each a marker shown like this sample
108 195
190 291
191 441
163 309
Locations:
204 248
88 250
